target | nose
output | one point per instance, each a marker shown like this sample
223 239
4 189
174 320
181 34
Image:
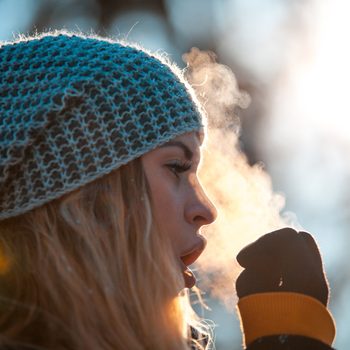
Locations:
200 210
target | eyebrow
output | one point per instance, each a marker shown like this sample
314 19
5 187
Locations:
188 153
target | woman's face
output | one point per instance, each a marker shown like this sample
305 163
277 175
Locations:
180 205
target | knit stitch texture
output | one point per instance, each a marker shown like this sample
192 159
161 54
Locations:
74 108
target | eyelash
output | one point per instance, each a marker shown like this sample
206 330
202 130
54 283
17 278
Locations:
178 167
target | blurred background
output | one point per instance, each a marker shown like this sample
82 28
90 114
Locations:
292 57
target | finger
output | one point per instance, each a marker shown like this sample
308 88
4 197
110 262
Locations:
283 251
320 287
268 249
252 281
303 271
301 254
309 285
314 252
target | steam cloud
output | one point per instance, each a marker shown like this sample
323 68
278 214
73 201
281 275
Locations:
243 194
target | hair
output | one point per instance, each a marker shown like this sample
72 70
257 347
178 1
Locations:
90 271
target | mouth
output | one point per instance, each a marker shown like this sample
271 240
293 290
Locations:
188 259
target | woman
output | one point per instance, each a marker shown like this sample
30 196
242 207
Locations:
100 203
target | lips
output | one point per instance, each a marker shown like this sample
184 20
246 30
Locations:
193 255
189 258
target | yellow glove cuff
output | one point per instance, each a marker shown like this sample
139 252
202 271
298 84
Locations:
274 313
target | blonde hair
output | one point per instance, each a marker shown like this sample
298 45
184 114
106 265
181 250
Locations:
90 271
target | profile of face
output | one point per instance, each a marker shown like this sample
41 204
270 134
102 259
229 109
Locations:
180 205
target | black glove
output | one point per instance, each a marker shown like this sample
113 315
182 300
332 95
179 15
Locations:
283 261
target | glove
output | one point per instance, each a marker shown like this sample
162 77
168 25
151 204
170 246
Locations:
283 261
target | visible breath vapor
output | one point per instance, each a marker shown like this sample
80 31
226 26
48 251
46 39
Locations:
243 194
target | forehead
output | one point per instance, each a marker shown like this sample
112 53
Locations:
191 139
188 144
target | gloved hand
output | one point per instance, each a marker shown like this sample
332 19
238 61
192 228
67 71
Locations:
283 261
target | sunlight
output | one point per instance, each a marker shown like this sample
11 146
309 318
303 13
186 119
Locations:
322 84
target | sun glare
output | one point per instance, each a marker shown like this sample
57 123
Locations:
322 84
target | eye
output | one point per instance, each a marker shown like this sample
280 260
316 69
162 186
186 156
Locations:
177 167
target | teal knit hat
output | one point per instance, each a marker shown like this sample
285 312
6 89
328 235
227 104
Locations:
73 109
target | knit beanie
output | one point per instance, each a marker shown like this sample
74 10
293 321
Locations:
74 108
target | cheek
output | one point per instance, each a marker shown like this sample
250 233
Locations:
164 193
167 207
168 210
